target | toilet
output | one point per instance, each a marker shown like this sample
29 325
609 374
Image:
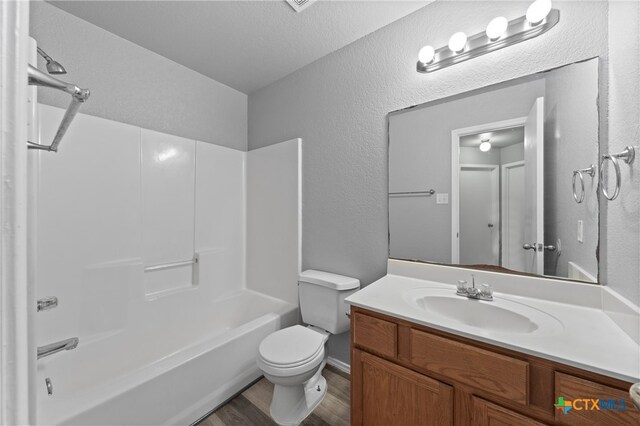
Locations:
293 358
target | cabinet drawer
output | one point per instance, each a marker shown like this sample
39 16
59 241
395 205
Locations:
487 371
486 413
375 334
592 403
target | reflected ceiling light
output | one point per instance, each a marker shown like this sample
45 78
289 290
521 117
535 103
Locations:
538 10
500 33
485 145
457 42
426 54
166 154
497 27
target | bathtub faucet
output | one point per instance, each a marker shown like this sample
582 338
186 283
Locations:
62 345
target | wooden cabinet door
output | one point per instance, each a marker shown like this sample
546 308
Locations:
593 403
387 394
486 413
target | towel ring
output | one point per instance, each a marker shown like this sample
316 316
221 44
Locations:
591 171
627 156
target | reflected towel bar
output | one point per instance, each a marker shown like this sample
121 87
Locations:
78 97
413 193
171 265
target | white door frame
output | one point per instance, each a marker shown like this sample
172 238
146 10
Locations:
16 351
495 189
505 202
456 134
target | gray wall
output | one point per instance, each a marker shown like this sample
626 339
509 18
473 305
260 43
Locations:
339 105
420 158
571 143
620 231
133 85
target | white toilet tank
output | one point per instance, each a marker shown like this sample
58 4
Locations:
322 297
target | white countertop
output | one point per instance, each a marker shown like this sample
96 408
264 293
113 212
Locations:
588 338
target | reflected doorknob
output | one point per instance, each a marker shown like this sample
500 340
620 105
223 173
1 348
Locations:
535 247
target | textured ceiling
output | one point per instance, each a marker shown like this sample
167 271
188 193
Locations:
244 44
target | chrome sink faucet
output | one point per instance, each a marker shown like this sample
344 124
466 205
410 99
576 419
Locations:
484 292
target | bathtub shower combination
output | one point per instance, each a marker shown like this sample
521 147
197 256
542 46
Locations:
141 237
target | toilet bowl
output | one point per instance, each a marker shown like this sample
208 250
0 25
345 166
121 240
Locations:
293 358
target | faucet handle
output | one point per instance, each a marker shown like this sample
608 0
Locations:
486 291
461 287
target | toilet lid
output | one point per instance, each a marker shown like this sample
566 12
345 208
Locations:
291 346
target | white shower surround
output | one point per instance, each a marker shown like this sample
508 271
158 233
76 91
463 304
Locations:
155 347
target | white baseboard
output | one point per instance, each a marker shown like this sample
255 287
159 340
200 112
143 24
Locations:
342 366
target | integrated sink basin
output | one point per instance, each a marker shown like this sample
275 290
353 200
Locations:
497 316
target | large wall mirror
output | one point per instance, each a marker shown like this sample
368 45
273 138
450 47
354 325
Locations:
501 177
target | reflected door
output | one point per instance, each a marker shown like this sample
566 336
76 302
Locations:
513 256
479 217
533 189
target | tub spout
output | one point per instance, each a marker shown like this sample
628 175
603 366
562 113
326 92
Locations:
62 345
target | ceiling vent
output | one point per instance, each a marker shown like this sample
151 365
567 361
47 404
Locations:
300 5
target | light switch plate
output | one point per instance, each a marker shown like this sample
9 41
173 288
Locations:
580 231
442 198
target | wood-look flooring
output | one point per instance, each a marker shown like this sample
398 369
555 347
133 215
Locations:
251 407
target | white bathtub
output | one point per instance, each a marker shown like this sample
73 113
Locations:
172 373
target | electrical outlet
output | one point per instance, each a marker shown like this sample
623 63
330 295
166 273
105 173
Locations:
442 198
580 231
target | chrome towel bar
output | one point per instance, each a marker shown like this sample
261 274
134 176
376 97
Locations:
171 265
78 97
413 193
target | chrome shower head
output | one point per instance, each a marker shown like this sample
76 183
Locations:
53 67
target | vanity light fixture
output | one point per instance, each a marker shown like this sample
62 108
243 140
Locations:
457 42
426 54
500 32
485 145
538 10
497 27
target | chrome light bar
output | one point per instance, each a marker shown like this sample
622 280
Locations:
518 30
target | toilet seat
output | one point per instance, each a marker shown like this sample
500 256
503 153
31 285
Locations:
291 351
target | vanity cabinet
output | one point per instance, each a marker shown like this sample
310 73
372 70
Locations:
419 399
404 373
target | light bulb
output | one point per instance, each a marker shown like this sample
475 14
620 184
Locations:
457 42
485 146
538 10
426 54
497 27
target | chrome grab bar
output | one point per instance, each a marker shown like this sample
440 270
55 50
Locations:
413 193
172 265
63 345
78 97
